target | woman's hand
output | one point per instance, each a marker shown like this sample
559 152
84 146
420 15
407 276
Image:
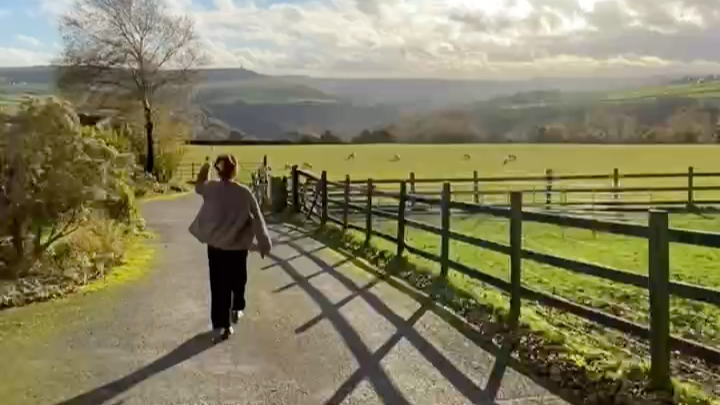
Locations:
202 176
264 251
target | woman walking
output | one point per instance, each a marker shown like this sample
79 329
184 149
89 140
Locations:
228 221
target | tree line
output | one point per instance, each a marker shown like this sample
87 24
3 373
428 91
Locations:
662 120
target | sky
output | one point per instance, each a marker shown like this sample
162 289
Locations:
420 38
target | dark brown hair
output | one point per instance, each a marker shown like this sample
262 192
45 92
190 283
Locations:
225 165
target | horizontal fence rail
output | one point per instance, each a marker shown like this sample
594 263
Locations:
188 171
307 186
582 192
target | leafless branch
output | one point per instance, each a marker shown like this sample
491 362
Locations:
70 227
134 46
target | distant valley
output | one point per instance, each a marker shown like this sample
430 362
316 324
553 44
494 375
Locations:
239 103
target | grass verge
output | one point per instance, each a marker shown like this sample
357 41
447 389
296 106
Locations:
594 368
37 322
101 253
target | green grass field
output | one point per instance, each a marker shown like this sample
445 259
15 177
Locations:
689 264
442 161
696 90
447 160
12 95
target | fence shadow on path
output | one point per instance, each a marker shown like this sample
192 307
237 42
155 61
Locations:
190 348
405 329
384 387
370 363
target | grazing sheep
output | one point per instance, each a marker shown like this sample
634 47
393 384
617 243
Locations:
509 158
467 157
351 156
307 165
396 158
288 166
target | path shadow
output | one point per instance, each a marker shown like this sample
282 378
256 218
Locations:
503 354
378 378
308 277
278 242
370 363
405 330
291 258
192 347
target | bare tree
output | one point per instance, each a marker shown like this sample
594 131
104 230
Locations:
128 48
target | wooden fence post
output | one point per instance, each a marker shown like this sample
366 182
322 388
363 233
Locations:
548 187
691 186
368 213
324 198
305 194
346 207
412 188
616 183
476 188
295 189
445 219
659 258
515 257
282 203
192 171
401 220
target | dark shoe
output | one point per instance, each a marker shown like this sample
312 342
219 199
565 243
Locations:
235 316
227 333
217 334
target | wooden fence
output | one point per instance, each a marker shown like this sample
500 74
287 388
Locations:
658 235
599 192
187 171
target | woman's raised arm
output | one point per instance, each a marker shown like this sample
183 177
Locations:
202 178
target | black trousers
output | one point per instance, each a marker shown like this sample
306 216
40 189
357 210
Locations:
228 277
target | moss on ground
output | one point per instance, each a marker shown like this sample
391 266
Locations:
37 322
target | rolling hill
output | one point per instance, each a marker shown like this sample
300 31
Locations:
432 94
702 90
268 107
241 103
18 83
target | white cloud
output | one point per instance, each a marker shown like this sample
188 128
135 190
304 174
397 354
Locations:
224 5
22 57
470 38
55 7
34 42
452 38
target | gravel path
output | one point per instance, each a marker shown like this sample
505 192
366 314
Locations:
318 330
